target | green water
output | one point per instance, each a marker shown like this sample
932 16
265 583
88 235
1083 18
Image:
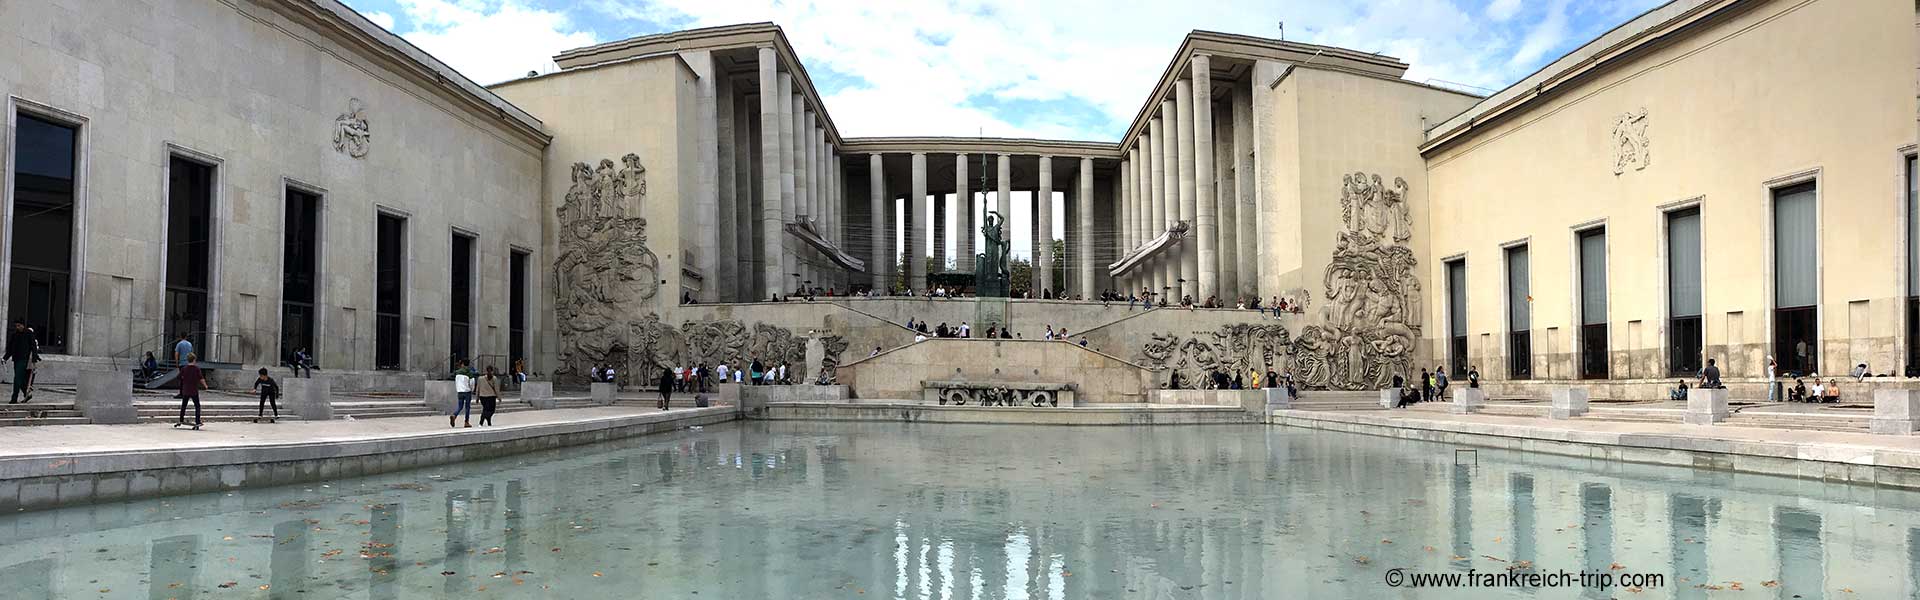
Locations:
843 510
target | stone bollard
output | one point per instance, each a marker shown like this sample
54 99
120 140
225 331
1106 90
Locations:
310 398
1568 402
1896 412
1389 397
1468 400
106 397
1278 398
538 394
1706 406
440 396
603 393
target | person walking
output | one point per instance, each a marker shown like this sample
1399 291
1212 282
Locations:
269 394
666 389
758 371
488 389
463 392
191 382
22 350
1773 382
182 348
1426 386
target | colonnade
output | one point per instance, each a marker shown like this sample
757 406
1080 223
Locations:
1181 180
799 161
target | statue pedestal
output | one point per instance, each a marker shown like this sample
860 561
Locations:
989 312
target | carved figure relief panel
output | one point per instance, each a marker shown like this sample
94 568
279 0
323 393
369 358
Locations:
351 134
1630 142
1235 349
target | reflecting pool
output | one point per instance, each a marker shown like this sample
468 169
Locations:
846 510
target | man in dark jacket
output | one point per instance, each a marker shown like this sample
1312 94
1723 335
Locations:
22 349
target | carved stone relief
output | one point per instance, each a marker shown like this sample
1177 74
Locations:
1371 320
1630 142
1234 349
350 132
646 345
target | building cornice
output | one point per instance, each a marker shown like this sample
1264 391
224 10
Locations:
342 25
1616 48
981 145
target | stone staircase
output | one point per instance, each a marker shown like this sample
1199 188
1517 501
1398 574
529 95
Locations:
1848 423
1629 413
41 412
213 409
1338 400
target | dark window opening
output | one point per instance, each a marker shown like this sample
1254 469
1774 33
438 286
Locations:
461 324
517 308
45 155
1796 330
1593 304
1913 265
1519 315
189 251
299 267
389 290
1457 318
1685 332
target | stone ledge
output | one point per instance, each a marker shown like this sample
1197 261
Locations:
1868 465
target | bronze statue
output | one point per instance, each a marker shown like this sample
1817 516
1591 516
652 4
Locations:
990 275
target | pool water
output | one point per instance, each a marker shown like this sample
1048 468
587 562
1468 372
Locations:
882 510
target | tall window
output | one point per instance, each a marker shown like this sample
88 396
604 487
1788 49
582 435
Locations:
299 266
1913 267
461 336
1457 317
1593 303
1796 328
1685 332
1519 316
189 248
389 290
516 307
45 154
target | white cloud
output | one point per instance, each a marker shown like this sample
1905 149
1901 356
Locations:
1549 34
491 40
384 20
1503 10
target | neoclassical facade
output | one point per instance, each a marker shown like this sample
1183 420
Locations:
1727 179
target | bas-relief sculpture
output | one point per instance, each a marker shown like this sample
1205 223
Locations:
1630 142
1367 327
350 132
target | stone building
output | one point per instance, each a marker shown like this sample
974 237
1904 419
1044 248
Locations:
656 191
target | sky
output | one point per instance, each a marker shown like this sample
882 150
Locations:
1051 69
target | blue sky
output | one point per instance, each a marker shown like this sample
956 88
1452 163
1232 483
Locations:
1064 69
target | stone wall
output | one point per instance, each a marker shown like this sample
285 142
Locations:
897 374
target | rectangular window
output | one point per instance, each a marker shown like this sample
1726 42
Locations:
189 249
1457 317
461 322
1913 267
1593 304
299 267
517 307
389 290
1796 330
1519 315
1685 330
45 158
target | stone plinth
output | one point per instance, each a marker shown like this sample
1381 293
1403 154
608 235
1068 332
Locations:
440 396
1568 402
1896 412
603 393
1278 398
538 394
1389 397
1706 406
1468 400
310 398
106 396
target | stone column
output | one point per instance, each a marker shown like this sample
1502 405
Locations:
721 281
921 206
746 207
789 195
1189 199
1205 215
1083 242
1002 199
803 179
963 199
877 222
939 232
1123 210
772 178
824 270
1159 218
1247 269
1043 226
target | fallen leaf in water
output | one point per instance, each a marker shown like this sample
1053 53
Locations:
1385 541
1362 559
227 538
596 573
174 585
1615 567
264 586
1493 558
227 584
1458 558
1496 540
446 572
1770 583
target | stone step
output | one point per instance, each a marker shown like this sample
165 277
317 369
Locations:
59 420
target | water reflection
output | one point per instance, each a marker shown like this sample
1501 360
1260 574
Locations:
846 510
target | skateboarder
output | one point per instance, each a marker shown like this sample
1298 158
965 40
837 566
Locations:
191 382
269 394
